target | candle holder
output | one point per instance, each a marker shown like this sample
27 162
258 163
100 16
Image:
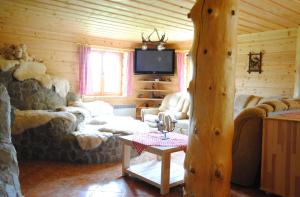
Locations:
165 124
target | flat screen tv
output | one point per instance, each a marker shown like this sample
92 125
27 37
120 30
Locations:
152 61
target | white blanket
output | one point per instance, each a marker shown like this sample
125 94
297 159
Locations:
125 125
5 65
28 119
89 137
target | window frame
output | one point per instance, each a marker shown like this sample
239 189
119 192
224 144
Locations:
102 75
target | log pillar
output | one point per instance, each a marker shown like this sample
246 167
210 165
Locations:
297 67
208 158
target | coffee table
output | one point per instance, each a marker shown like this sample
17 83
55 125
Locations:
161 173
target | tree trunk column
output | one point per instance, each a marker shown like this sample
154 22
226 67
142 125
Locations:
208 159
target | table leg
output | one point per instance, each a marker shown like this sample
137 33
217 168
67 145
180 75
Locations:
165 173
126 158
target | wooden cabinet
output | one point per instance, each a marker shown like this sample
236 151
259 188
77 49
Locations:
280 172
150 90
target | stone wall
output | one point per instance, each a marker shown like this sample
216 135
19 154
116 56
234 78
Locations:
30 94
9 176
40 144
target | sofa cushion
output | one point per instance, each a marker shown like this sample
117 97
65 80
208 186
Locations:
176 115
264 99
253 101
241 102
266 107
292 103
179 105
186 106
184 124
277 104
170 102
150 118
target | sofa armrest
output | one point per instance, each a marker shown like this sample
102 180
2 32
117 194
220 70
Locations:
177 115
153 111
247 143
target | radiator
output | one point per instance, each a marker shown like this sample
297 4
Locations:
125 110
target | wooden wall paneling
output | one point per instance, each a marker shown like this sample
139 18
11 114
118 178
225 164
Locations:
183 3
277 10
254 26
277 78
268 35
74 25
247 5
59 51
88 14
162 5
250 17
126 19
129 12
297 66
149 9
183 45
90 23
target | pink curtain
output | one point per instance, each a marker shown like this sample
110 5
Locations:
84 52
180 70
129 73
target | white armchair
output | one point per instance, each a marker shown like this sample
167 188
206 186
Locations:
177 105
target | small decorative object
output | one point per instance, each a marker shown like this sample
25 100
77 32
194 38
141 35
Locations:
153 86
141 96
255 62
165 124
158 43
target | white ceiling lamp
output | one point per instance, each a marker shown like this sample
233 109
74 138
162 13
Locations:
158 43
160 47
144 46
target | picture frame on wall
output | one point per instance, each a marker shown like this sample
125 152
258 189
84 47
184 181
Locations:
255 62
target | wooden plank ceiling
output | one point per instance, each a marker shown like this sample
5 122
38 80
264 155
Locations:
126 19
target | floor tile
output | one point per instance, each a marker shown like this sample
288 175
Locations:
106 194
58 179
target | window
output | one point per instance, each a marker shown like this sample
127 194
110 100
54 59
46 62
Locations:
104 76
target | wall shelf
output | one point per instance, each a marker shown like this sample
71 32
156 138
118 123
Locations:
154 90
162 82
150 90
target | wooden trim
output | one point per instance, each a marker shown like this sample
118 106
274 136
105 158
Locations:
297 66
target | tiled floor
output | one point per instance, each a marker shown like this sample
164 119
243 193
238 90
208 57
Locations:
55 179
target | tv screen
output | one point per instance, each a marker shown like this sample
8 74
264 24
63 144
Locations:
152 61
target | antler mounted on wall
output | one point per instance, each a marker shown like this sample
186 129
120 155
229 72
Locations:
160 42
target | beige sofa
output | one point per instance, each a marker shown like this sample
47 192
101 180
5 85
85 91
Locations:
247 142
177 105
